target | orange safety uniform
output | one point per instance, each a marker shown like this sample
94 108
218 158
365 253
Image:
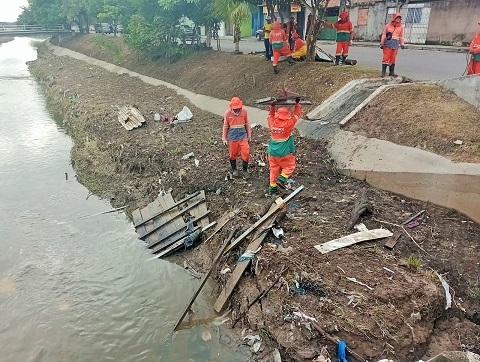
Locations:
390 45
281 147
344 29
474 64
279 41
237 131
299 48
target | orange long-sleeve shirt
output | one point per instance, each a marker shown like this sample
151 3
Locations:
281 129
475 45
236 127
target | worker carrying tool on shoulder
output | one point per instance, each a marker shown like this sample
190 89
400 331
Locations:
299 48
392 38
281 147
344 37
237 134
474 64
279 40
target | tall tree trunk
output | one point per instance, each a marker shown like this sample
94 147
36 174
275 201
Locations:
236 37
317 16
208 31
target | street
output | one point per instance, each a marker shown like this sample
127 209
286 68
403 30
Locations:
415 64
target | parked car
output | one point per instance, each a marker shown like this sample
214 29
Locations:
103 28
186 29
259 34
120 28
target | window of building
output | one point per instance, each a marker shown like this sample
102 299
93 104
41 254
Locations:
390 12
414 16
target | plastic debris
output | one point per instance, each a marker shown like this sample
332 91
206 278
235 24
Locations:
361 227
359 283
254 341
156 117
185 115
261 164
448 296
388 360
413 224
188 155
416 316
276 356
197 163
342 351
206 336
278 232
304 316
248 255
458 142
225 270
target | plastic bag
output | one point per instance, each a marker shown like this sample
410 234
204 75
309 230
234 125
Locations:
184 116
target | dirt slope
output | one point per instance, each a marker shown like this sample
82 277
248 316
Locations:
129 168
423 116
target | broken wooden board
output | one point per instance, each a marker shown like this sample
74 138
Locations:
282 101
130 118
353 239
240 268
392 240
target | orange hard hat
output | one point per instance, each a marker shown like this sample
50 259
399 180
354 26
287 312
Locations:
283 113
344 15
294 35
277 25
396 15
236 103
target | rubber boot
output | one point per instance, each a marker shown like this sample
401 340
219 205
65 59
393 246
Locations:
282 181
384 70
246 173
290 60
392 71
337 59
344 59
275 70
233 163
272 190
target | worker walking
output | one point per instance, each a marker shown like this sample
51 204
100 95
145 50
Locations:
299 48
344 36
474 64
281 147
392 38
267 28
280 45
237 134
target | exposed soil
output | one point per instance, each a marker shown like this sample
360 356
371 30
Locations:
424 116
130 168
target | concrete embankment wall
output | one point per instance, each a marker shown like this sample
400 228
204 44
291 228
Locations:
467 88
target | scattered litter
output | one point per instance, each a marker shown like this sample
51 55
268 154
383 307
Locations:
253 126
254 341
276 356
248 255
361 227
197 163
188 155
413 224
219 191
448 296
416 316
389 270
321 359
184 116
261 164
342 351
278 232
354 300
225 270
358 282
130 118
304 316
156 117
206 336
387 360
228 176
352 239
458 142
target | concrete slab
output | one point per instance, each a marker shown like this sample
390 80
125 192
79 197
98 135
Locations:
467 88
456 356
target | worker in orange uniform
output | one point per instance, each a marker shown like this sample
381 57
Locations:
392 38
344 37
299 48
236 134
474 64
281 147
280 46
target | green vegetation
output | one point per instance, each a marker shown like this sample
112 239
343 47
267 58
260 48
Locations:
414 262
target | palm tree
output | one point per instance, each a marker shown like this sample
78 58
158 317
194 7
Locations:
235 11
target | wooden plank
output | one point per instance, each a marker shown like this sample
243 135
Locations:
204 280
137 218
240 268
279 204
221 222
392 240
200 209
154 206
163 202
147 212
353 239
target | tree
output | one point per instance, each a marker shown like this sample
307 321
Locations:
112 14
317 9
236 12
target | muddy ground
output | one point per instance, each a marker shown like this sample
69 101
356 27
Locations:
424 116
403 314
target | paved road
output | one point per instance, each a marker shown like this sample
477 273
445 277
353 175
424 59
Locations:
415 64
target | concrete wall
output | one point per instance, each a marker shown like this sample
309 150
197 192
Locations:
453 21
369 19
467 88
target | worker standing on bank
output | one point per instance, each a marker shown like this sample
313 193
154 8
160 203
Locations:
474 64
344 36
236 135
281 147
280 45
267 28
392 39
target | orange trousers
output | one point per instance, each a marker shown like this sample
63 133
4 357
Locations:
239 147
342 48
284 51
281 165
473 67
389 56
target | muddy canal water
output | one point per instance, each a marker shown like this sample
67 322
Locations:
75 288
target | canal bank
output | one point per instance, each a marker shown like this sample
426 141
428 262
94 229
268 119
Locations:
131 167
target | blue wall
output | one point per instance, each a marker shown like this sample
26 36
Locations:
257 19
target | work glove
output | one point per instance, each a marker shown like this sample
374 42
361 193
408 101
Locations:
297 100
402 46
350 42
274 102
381 46
225 142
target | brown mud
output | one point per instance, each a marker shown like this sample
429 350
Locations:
130 168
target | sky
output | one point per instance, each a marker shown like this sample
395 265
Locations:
10 9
